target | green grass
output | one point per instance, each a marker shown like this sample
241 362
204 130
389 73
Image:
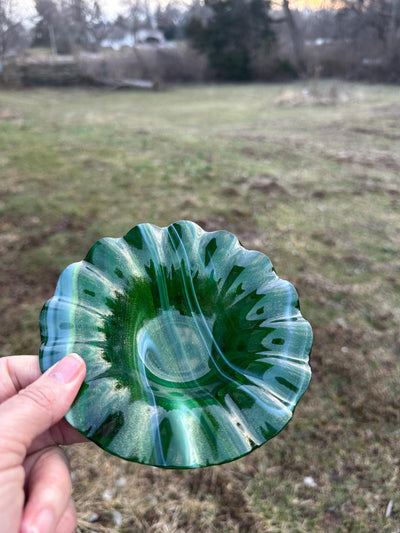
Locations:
314 187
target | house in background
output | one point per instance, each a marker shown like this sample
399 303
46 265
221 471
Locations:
150 36
119 37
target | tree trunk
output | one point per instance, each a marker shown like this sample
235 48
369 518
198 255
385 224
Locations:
52 36
392 31
297 39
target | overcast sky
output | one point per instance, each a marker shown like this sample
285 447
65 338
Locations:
26 8
111 8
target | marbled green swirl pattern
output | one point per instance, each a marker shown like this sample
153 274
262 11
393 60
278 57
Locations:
196 351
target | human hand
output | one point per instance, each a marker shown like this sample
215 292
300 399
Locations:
35 484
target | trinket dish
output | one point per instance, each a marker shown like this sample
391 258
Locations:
196 351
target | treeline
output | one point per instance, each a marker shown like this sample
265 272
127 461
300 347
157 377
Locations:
230 39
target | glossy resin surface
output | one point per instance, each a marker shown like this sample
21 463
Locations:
196 351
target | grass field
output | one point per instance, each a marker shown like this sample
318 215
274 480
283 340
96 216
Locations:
317 188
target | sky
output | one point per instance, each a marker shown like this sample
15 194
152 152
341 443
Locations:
111 8
26 8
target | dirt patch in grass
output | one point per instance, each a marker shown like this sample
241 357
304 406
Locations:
377 133
9 114
318 95
267 185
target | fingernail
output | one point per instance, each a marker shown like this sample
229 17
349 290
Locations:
44 523
67 369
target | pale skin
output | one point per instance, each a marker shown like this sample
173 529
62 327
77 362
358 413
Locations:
35 483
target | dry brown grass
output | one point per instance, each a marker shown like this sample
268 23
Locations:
315 95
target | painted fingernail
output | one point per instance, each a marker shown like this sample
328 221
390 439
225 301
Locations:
67 369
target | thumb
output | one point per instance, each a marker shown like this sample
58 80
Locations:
39 406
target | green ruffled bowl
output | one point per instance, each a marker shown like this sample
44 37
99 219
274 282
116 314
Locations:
196 351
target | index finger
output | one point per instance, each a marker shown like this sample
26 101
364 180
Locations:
16 373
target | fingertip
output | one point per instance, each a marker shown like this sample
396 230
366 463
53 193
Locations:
68 521
77 356
68 369
44 522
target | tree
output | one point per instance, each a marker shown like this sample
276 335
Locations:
77 21
86 25
68 25
169 19
231 35
393 28
98 29
138 15
296 37
13 35
51 28
375 23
